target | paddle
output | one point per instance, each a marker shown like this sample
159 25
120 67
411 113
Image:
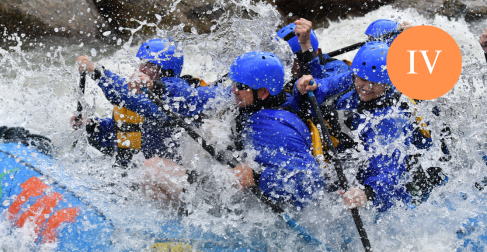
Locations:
82 82
360 44
231 161
338 167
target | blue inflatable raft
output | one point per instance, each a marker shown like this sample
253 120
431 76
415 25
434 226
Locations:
32 193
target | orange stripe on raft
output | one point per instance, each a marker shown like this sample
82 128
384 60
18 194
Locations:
64 215
31 188
39 210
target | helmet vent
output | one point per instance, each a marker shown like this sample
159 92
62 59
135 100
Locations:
373 67
263 57
363 63
147 47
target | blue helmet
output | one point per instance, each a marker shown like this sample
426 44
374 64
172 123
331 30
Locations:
287 33
381 27
370 62
258 70
160 52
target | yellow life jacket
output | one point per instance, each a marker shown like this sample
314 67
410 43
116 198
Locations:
128 128
318 143
421 126
202 82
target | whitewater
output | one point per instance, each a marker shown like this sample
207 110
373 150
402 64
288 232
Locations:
39 91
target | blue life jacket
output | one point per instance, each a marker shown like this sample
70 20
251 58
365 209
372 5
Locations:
327 67
283 145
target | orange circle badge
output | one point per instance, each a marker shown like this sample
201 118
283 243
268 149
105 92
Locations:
424 62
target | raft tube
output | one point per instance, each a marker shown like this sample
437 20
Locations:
29 195
59 216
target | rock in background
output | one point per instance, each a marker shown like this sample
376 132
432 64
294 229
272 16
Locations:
471 10
70 18
109 19
319 11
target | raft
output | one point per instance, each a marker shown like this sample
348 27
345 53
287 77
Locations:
35 195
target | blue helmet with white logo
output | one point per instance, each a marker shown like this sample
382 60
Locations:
370 62
287 33
258 70
162 53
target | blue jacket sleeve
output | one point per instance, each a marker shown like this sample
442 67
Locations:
386 166
108 84
326 88
116 91
330 68
317 70
283 145
189 101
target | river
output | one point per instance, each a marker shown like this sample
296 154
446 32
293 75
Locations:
39 80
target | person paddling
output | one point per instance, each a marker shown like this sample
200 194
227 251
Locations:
380 125
133 126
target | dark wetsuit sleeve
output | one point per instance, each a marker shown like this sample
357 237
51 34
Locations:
256 176
159 88
98 73
304 58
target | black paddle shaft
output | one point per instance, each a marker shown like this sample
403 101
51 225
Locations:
360 44
339 170
82 82
79 116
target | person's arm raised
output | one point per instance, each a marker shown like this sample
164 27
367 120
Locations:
303 31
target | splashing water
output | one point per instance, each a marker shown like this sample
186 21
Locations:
39 92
